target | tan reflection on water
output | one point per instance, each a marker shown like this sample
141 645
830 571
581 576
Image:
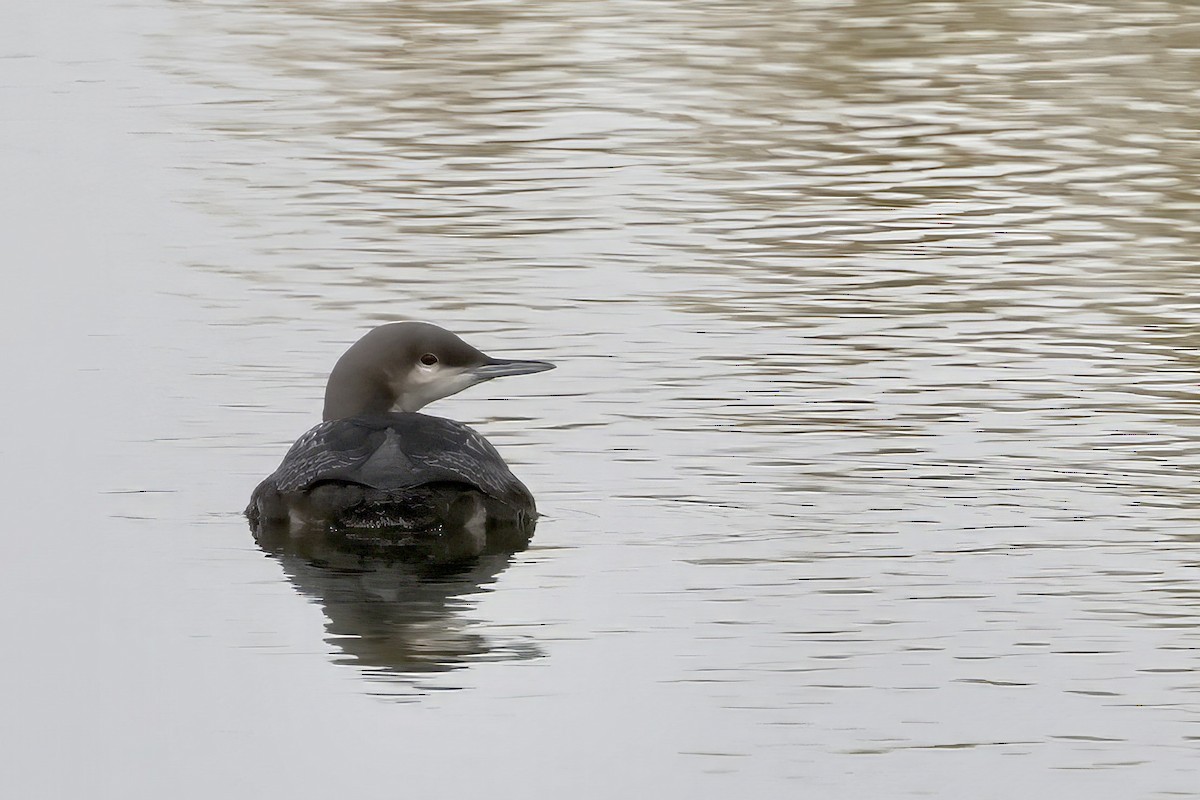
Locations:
895 296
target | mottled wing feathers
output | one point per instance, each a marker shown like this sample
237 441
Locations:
456 452
395 451
325 452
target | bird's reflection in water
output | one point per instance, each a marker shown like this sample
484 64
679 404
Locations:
393 600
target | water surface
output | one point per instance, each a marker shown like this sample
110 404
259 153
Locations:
867 467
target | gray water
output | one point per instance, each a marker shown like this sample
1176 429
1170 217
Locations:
868 468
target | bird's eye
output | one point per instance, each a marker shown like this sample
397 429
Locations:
429 359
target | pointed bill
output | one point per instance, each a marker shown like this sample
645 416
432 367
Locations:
503 367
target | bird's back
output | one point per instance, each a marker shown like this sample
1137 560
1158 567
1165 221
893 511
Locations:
341 468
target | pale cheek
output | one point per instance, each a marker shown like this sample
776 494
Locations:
423 386
450 384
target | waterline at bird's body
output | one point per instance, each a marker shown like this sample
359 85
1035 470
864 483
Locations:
374 464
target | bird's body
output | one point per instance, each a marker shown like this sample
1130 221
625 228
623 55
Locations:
387 470
367 467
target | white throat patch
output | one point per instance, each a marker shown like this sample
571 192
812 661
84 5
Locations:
422 385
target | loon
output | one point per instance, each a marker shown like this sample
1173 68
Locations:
375 463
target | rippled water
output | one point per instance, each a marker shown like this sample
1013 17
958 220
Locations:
867 467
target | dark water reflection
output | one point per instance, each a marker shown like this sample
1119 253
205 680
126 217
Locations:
395 612
875 422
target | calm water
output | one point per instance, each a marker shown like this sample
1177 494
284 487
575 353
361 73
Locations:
868 467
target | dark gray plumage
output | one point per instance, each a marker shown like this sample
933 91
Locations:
375 463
